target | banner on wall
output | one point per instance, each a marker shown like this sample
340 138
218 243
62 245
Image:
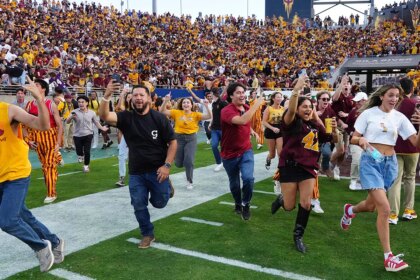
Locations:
288 8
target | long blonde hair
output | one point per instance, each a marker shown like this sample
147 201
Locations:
375 98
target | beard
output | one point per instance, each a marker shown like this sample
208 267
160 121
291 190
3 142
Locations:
142 109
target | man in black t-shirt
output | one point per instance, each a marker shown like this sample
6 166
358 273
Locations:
152 147
216 127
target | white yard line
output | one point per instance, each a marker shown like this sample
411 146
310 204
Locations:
233 204
264 192
216 224
226 261
64 174
90 219
65 274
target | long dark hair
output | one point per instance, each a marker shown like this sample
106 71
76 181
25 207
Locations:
273 95
297 124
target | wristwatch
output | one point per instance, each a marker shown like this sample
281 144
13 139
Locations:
167 165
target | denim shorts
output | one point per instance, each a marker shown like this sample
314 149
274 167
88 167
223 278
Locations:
377 175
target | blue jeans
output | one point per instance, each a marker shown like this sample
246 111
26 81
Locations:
326 156
140 186
216 137
243 165
17 220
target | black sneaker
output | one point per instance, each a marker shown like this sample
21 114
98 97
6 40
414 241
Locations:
246 214
104 146
238 209
109 143
267 163
275 206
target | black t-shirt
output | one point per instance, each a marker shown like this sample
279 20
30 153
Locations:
147 138
217 107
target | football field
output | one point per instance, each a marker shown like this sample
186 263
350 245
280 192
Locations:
198 235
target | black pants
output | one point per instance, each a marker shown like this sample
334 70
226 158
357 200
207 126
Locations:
83 144
206 128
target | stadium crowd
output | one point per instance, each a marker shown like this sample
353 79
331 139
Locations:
81 45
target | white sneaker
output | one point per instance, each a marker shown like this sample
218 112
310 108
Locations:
336 172
45 257
358 186
353 185
316 206
190 186
277 187
208 141
86 168
50 199
259 146
218 167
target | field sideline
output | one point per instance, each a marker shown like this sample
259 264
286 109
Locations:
99 226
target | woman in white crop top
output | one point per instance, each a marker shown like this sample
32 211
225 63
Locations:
378 127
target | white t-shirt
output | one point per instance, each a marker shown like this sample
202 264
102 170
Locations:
380 127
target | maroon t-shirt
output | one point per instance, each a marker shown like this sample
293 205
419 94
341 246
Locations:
407 107
328 113
344 104
235 138
351 120
303 146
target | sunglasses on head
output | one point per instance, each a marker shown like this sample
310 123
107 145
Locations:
325 99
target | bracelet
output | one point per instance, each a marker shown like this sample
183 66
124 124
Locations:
106 100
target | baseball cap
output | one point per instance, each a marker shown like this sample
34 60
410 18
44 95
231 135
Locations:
360 96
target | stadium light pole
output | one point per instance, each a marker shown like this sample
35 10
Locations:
247 8
180 5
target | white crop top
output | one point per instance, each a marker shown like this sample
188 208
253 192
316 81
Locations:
380 127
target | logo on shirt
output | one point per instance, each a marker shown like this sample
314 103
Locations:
154 134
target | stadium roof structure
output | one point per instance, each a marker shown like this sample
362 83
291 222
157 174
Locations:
379 65
346 3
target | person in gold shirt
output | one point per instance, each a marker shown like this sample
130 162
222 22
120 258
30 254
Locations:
186 128
15 218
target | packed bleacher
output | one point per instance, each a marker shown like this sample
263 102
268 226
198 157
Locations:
80 46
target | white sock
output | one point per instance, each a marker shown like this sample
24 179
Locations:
386 255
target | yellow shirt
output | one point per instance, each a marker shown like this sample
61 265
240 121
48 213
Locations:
275 115
13 149
185 124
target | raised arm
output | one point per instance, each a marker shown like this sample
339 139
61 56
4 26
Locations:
339 89
104 113
289 116
163 109
208 114
196 98
40 122
245 118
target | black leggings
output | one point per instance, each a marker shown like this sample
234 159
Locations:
83 144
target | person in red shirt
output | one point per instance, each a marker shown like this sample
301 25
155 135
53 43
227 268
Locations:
236 152
303 131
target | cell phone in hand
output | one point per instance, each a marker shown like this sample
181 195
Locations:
116 77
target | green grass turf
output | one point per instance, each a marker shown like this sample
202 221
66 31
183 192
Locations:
265 240
102 177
